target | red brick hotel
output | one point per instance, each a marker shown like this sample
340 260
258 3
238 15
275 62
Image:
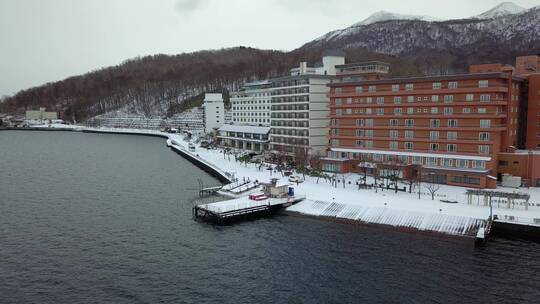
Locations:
462 130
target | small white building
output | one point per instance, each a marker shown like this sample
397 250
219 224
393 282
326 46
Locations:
214 111
245 137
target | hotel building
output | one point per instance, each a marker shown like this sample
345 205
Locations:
250 118
450 127
214 112
300 108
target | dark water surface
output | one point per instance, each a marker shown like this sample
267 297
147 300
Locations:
92 218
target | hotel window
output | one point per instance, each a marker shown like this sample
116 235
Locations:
434 110
368 144
462 163
437 86
485 123
433 135
369 100
368 111
448 98
395 87
397 99
359 89
394 122
338 90
447 162
453 85
335 142
349 100
469 97
398 111
372 88
485 97
360 122
394 134
483 136
435 123
483 83
479 164
482 110
452 123
466 110
409 134
448 111
451 147
380 111
410 98
360 133
483 149
409 122
409 87
358 143
369 122
348 111
338 101
431 161
451 135
393 145
410 110
338 112
334 122
335 132
408 146
434 98
369 133
380 100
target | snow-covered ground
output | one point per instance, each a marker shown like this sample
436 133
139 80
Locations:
401 209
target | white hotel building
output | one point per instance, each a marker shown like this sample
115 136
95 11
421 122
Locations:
214 112
250 113
301 108
286 115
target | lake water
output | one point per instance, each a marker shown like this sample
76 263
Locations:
96 218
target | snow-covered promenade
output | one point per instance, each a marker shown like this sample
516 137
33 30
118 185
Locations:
400 209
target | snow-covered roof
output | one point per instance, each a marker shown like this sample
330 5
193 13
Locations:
257 83
402 153
245 129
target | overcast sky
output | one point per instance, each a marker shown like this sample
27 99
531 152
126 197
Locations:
49 40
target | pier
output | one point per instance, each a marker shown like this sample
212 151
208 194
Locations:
244 208
272 197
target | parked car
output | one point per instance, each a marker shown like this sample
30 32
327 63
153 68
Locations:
295 179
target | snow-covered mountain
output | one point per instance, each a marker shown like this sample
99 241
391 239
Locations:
385 16
444 46
503 9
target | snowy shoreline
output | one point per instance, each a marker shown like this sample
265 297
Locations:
347 202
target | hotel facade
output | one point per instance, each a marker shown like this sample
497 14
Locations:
448 129
250 118
301 108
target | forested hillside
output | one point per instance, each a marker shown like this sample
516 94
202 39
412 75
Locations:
163 85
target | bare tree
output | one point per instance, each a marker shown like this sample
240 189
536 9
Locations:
432 188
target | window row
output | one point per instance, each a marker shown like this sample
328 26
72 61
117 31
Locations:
410 86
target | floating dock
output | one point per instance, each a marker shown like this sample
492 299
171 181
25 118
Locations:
229 211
